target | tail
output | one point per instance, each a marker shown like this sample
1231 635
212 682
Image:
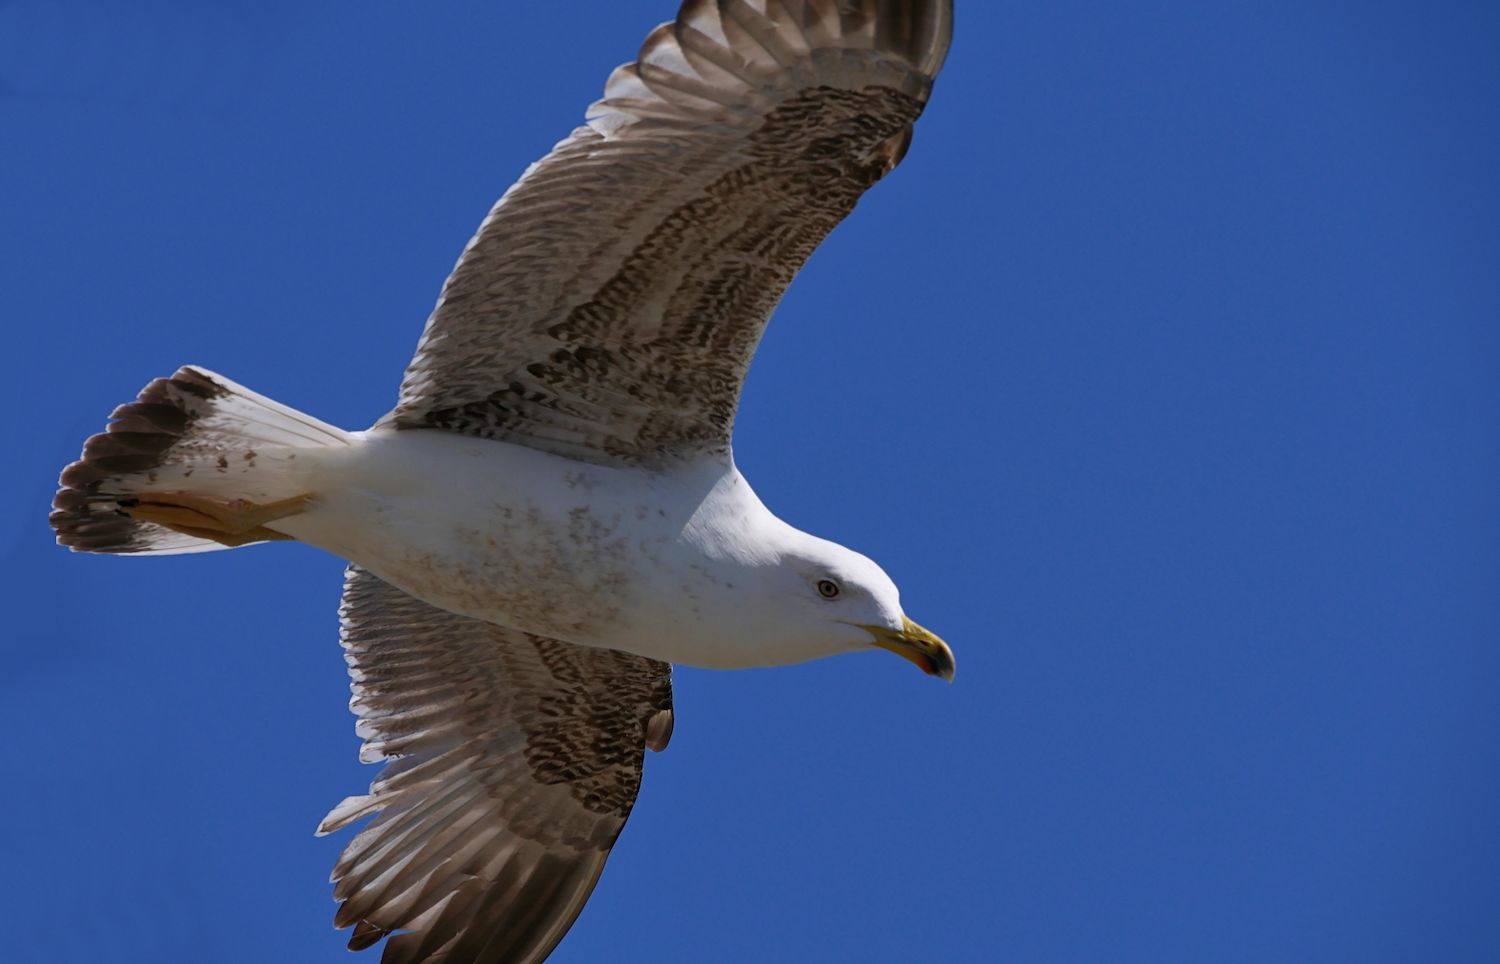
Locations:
195 463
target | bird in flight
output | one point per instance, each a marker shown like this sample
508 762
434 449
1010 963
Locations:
551 514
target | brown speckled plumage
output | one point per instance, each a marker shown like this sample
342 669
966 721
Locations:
606 311
513 762
609 306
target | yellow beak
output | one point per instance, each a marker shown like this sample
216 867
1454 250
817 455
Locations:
914 643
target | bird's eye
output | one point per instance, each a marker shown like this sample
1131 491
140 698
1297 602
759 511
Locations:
828 589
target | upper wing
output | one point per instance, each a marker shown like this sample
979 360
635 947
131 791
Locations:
513 763
610 304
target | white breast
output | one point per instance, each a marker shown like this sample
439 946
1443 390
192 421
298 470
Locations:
590 554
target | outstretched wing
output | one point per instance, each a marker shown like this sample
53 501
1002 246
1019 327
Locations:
610 303
513 761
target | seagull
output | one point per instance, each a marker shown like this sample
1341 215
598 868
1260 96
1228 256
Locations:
551 515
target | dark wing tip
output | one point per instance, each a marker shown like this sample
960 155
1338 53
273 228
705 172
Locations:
920 31
365 935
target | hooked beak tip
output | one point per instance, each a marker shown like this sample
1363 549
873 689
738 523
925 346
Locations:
917 645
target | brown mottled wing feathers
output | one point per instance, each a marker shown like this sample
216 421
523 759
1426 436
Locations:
512 762
610 304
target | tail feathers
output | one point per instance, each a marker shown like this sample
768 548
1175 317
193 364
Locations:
195 432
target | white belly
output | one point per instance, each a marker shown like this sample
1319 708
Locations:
508 534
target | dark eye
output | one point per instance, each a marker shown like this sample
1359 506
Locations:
828 589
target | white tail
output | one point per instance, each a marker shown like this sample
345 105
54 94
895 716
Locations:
195 433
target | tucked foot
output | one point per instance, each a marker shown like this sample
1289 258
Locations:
229 522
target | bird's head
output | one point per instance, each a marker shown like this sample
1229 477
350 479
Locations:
769 594
844 601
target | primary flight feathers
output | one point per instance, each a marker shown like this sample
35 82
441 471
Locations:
513 761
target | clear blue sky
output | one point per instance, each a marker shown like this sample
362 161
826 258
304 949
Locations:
1162 377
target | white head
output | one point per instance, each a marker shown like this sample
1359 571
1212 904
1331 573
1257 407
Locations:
768 594
824 599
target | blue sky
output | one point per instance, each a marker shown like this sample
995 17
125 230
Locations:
1162 378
